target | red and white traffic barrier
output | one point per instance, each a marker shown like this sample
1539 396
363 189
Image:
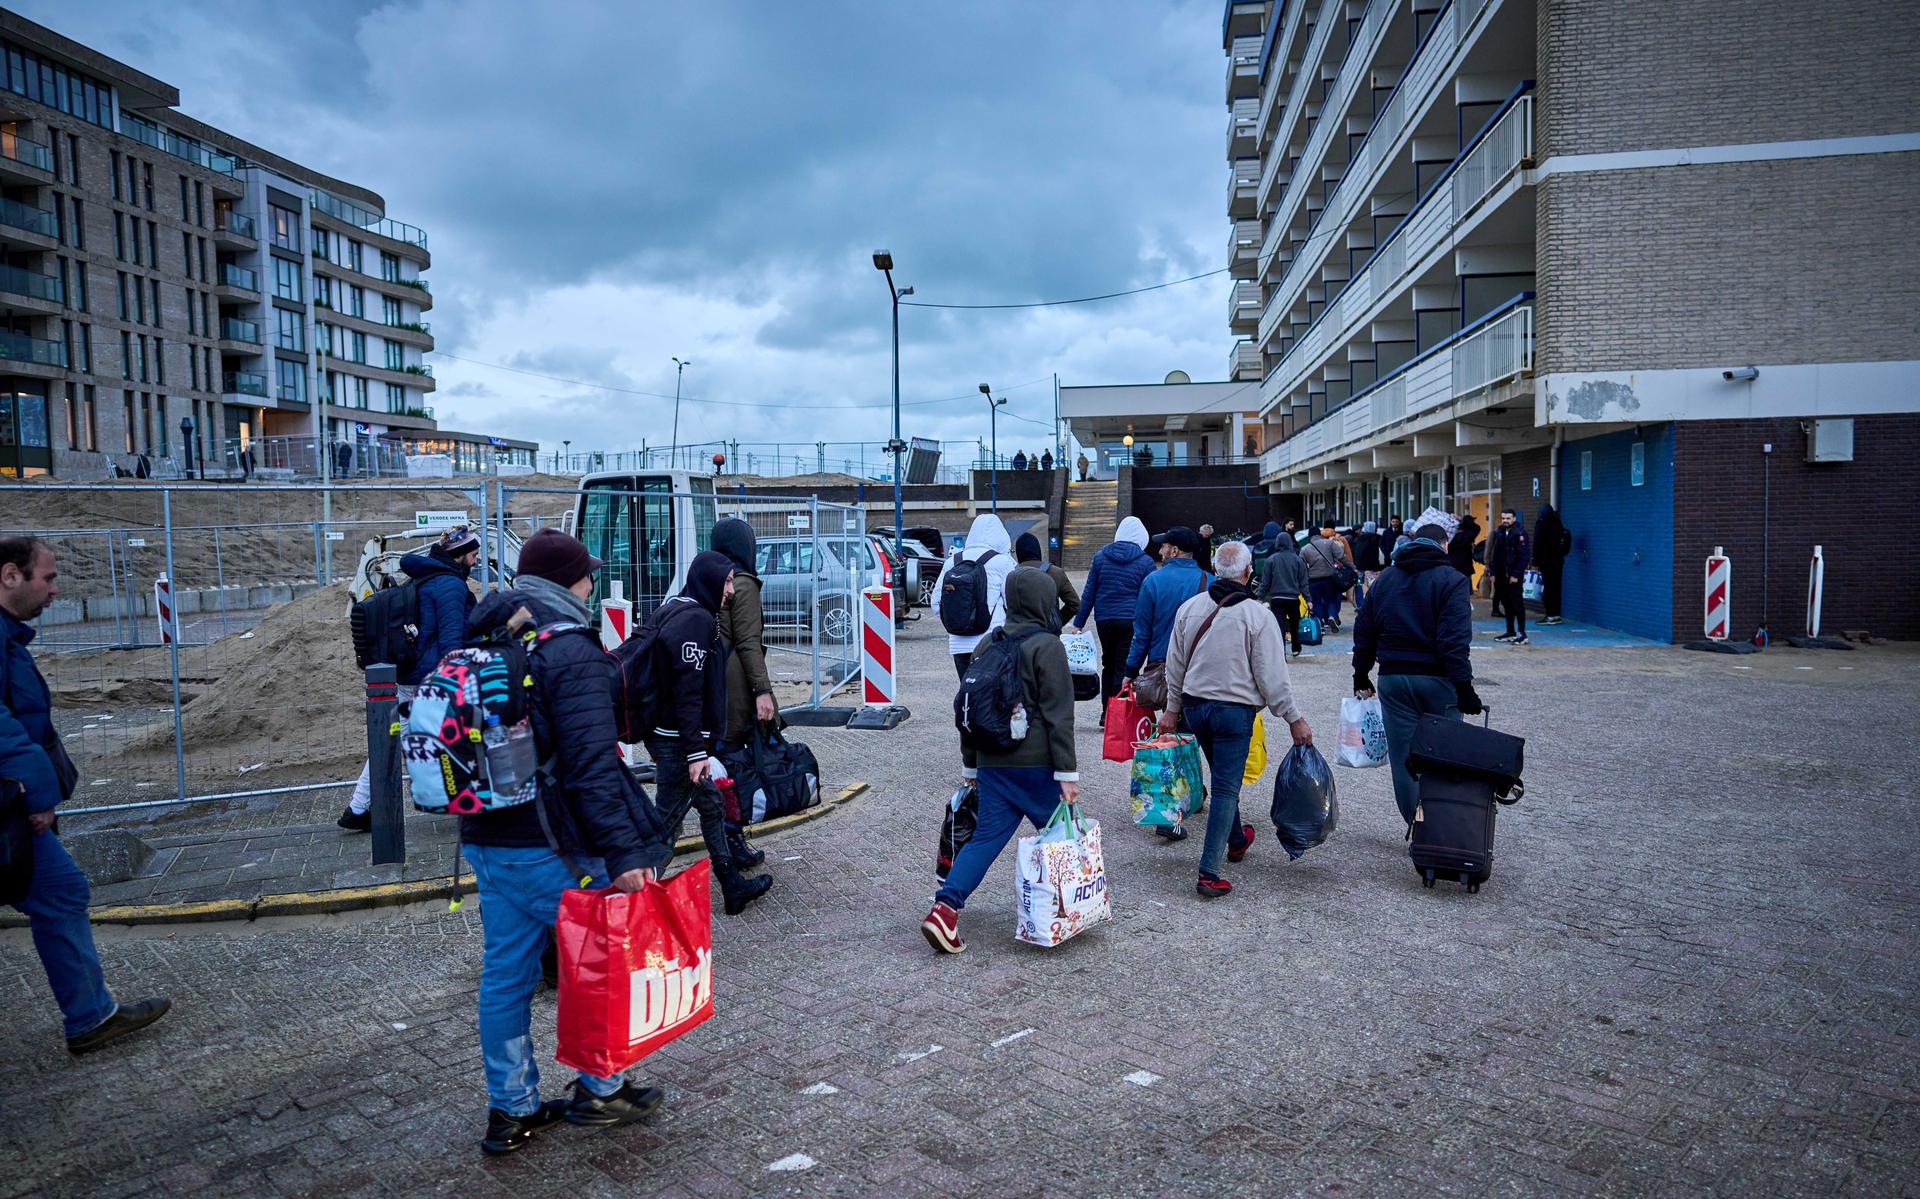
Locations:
1719 595
876 647
616 622
163 609
1816 588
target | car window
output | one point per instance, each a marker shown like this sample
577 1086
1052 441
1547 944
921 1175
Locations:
803 557
778 558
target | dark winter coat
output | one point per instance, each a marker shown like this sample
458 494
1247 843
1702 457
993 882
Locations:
1160 598
1416 618
1113 583
1551 540
690 674
1366 552
598 809
28 744
1460 548
743 625
1032 616
445 603
1508 553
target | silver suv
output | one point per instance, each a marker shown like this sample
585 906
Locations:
807 579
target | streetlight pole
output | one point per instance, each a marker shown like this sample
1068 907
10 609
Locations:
679 368
883 262
993 423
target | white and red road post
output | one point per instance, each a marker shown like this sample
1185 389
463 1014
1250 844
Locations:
1719 607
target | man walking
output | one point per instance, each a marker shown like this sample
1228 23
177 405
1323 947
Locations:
593 824
1551 544
1083 465
1178 580
1112 598
1324 556
1026 552
1225 662
1507 561
439 577
989 546
1283 581
690 710
1417 624
55 897
743 625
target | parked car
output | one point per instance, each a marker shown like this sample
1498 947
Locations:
804 580
925 557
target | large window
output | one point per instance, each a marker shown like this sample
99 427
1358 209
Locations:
357 301
284 227
396 398
354 251
389 310
24 444
69 91
359 392
289 332
289 379
286 279
396 356
356 347
323 291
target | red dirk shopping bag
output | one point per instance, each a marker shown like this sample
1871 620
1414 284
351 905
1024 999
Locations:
1127 722
636 970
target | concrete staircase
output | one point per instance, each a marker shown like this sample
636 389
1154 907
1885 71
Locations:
1093 509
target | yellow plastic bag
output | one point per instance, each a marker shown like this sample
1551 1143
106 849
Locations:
1304 610
1256 751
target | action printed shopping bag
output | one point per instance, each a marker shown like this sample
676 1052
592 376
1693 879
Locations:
636 970
1256 751
1168 781
1062 884
1127 722
1363 733
1083 652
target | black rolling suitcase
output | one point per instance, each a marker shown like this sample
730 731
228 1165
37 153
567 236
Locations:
1464 773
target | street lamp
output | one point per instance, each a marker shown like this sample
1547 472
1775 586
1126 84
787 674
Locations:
993 420
679 368
566 443
186 440
883 262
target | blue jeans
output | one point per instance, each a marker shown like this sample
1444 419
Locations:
1225 733
1006 794
56 906
1325 597
520 890
1404 699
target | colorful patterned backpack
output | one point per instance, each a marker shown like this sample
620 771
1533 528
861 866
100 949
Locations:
468 741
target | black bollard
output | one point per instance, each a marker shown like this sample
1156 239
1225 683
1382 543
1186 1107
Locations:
383 755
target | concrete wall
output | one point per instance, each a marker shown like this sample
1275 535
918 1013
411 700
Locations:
1230 498
1858 512
1620 574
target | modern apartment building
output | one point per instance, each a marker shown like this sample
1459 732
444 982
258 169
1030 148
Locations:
175 297
1652 262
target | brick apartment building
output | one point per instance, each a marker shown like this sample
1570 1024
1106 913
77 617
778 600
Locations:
171 293
1655 263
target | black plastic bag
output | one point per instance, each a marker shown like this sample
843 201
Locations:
956 828
1305 809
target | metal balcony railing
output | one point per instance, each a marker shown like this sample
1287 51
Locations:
143 130
235 329
228 221
22 282
249 383
21 149
239 276
372 222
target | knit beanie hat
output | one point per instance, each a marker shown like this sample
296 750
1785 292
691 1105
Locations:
557 557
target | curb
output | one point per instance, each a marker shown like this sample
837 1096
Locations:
381 895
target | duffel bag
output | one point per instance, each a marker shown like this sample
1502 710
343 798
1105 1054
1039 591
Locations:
788 776
1457 747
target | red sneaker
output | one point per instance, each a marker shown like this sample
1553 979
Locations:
1212 888
1235 855
942 929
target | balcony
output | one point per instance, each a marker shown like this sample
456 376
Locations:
169 142
1303 70
20 354
366 221
413 333
239 336
1494 157
237 283
23 161
43 292
1243 128
234 230
25 218
1243 249
1497 347
1242 186
1245 362
1244 307
1243 69
244 383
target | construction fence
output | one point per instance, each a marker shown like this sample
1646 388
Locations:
198 648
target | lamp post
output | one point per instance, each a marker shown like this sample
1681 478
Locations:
993 422
883 262
186 442
566 444
1128 442
679 368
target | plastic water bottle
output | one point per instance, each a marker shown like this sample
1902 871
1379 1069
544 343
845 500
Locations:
500 757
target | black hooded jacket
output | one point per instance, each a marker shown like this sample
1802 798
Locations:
1416 618
599 810
1549 538
691 672
1460 547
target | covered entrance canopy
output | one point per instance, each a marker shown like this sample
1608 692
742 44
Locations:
1176 423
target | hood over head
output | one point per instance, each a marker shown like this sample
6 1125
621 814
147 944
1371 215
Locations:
1033 601
424 565
1026 548
734 538
1420 555
1369 527
988 533
1272 532
707 579
1131 531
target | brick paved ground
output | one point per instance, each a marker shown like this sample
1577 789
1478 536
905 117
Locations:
1694 970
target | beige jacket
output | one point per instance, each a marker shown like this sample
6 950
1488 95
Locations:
1241 660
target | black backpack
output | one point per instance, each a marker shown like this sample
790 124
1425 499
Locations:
990 709
386 627
964 609
636 687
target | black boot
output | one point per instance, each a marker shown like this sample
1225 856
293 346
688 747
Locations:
737 889
744 856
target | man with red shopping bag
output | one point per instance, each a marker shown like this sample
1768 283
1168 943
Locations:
589 825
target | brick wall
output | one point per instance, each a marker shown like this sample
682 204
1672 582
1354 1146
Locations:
1636 76
1230 498
1620 574
1857 511
1518 473
1770 262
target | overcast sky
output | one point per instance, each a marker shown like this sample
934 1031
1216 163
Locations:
609 185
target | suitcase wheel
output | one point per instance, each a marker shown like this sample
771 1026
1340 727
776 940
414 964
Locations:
1426 877
1473 888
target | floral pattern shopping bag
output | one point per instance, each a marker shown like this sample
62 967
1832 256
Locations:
1062 880
1167 780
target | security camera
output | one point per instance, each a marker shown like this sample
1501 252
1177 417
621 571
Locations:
1740 374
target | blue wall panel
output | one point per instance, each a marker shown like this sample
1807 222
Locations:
1620 574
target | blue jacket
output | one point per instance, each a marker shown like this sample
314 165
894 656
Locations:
26 718
444 604
1416 618
1160 597
1113 583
